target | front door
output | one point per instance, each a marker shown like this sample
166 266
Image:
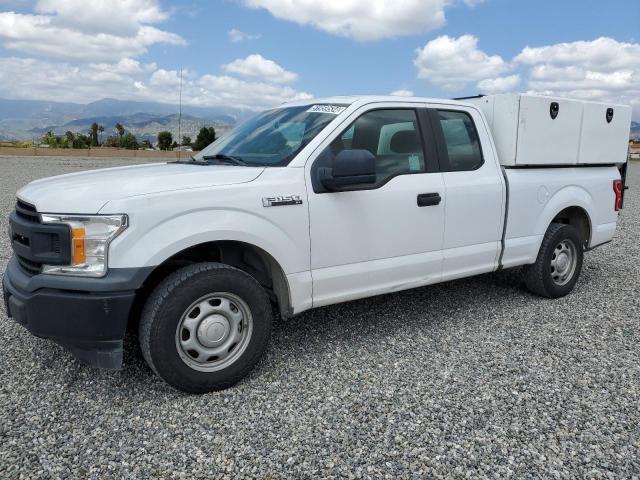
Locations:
385 236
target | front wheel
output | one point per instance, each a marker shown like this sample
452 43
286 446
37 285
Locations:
558 264
205 327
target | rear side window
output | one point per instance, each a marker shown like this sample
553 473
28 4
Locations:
461 139
392 136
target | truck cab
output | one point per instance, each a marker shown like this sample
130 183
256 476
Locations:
307 204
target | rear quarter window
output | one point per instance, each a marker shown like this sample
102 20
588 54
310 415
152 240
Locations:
461 139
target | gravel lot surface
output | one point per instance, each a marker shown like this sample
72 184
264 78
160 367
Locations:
471 378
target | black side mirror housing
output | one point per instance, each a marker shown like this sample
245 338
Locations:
350 168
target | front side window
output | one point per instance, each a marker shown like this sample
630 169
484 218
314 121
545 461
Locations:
392 136
274 137
461 139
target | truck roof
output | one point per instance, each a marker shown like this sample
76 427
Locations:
364 99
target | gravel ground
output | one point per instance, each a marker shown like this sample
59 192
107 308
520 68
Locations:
473 378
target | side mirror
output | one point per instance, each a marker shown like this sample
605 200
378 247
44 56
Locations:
350 167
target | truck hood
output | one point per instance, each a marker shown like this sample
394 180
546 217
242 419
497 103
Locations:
87 192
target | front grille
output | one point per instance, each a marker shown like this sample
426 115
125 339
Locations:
36 243
27 212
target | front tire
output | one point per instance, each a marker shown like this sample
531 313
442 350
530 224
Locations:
205 327
559 262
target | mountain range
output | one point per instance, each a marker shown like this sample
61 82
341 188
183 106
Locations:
29 119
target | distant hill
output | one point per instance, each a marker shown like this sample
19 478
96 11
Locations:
112 107
635 130
145 126
25 119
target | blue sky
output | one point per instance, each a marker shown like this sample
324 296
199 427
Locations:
333 65
132 49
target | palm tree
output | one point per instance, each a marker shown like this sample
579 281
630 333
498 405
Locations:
120 130
94 134
100 130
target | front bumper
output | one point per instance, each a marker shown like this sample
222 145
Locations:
86 316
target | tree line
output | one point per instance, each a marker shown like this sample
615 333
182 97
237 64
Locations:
126 140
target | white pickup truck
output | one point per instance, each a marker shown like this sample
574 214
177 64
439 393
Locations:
311 204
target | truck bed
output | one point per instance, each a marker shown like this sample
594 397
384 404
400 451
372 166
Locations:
535 195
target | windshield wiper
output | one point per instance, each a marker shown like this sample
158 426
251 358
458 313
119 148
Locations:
190 161
222 158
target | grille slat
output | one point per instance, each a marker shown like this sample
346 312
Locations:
29 213
55 245
29 266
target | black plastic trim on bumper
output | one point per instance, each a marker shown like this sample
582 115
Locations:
90 324
116 279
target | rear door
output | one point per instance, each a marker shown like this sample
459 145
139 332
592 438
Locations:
475 193
386 236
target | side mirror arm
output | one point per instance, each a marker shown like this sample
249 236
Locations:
325 174
336 184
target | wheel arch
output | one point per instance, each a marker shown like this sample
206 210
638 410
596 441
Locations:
577 217
247 257
571 205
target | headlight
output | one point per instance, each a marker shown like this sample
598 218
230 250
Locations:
90 238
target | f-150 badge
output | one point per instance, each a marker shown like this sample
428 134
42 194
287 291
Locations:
281 200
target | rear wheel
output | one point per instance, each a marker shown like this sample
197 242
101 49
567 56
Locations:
205 327
559 262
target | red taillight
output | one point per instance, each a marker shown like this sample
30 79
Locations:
617 189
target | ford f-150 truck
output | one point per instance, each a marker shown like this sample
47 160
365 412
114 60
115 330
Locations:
311 204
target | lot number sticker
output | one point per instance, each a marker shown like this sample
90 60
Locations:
332 109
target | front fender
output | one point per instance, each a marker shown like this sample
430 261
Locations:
148 243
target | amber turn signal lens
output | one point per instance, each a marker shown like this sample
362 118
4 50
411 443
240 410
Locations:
78 256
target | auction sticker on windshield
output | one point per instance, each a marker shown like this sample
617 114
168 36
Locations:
333 109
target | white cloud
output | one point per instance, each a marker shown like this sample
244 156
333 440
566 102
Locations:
28 78
363 20
225 90
104 31
402 93
126 66
602 69
452 63
86 51
600 54
257 66
166 78
116 17
498 84
236 35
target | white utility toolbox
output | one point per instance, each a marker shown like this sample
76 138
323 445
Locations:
537 130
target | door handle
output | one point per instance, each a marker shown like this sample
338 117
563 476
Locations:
429 199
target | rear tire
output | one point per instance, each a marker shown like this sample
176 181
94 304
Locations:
559 262
205 327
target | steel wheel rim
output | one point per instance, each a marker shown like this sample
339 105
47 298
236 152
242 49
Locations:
214 331
564 260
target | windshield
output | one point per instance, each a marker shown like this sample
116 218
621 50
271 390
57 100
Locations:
274 137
